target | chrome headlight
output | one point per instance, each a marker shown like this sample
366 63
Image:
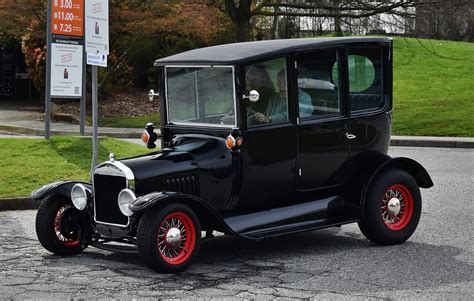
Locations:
79 196
125 198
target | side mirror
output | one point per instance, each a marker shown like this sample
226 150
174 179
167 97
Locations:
253 96
152 94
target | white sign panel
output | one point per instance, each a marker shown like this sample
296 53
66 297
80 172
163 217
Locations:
66 70
97 26
97 59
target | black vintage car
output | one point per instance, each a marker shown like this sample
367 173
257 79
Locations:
258 139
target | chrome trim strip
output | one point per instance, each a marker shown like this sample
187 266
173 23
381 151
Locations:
129 181
126 170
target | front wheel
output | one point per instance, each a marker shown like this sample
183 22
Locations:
169 238
392 208
60 227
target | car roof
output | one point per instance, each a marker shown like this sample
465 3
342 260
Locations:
235 53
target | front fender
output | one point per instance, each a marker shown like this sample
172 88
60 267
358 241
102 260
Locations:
62 188
210 219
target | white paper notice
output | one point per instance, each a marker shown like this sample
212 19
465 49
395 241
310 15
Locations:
97 26
66 70
97 59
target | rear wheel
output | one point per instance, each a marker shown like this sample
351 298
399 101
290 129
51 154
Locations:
60 226
169 238
392 208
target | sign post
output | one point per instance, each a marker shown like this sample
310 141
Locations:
97 49
65 58
47 101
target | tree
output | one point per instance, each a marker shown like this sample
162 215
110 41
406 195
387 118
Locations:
27 24
140 32
453 20
241 12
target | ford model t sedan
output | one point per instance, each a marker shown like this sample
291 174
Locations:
258 140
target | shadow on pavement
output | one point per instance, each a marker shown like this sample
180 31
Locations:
305 261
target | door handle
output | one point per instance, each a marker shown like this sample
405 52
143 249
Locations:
350 136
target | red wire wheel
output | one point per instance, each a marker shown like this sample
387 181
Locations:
176 238
66 226
397 207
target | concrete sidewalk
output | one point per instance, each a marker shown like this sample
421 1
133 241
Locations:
25 118
36 128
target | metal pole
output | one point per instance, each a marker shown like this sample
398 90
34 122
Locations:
47 102
82 105
95 140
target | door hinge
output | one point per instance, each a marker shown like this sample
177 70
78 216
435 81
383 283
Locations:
297 121
299 172
296 65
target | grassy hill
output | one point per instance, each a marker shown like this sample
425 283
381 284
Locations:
433 88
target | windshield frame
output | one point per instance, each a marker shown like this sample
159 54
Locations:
197 123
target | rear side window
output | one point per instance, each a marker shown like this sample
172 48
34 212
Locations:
361 73
365 78
318 95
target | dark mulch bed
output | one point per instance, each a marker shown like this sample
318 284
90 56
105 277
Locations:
133 103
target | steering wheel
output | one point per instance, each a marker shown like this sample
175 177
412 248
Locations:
250 115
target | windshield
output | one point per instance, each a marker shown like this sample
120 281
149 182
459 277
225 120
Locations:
200 95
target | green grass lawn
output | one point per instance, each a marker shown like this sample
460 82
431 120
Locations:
433 89
30 163
127 122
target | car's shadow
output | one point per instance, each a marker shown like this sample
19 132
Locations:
304 259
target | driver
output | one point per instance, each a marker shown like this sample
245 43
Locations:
277 109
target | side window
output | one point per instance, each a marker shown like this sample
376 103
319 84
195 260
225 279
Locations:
269 79
318 93
365 79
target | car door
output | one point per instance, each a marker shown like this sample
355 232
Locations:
322 126
369 97
269 148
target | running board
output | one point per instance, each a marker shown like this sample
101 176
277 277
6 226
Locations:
130 249
295 228
278 221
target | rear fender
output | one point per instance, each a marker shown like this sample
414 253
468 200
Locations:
209 218
414 168
61 188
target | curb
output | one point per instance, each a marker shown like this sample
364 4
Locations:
443 142
20 203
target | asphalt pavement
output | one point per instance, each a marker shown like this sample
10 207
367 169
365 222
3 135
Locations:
436 263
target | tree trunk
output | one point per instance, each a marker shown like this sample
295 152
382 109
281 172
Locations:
275 26
243 31
337 26
240 16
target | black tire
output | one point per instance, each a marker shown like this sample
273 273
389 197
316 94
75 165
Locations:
161 255
381 225
60 226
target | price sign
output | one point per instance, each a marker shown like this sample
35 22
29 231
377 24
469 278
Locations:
68 17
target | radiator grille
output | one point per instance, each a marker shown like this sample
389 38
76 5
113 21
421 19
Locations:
186 184
106 191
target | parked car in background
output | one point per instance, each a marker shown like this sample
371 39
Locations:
258 140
